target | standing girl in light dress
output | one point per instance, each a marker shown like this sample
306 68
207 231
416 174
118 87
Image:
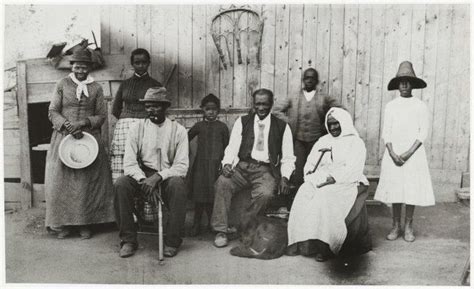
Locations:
405 177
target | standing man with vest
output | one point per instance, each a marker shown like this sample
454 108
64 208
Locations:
305 114
142 177
259 156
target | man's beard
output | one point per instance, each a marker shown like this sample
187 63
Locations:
157 118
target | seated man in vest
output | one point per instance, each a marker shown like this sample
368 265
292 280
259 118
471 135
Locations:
142 176
305 114
259 157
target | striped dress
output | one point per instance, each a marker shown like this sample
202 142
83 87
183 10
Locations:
128 110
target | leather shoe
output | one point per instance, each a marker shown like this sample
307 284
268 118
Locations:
64 233
221 240
395 232
85 233
321 258
127 250
292 250
170 251
409 235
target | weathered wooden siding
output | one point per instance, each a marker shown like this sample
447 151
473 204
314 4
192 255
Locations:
11 135
355 48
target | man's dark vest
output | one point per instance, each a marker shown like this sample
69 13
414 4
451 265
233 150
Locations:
275 139
308 121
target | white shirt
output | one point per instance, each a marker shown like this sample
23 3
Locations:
262 155
232 150
154 137
309 95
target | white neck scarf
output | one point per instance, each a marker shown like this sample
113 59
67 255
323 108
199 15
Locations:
81 85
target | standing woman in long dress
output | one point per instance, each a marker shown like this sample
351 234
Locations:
77 198
127 108
317 218
405 177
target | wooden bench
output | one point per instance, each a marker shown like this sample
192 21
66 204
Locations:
373 182
239 200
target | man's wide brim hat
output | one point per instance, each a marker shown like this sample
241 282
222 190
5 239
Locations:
81 55
156 94
406 72
78 153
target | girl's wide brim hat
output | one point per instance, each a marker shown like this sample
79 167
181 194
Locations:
81 55
406 72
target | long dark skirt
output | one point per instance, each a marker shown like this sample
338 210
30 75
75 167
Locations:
204 175
77 196
358 239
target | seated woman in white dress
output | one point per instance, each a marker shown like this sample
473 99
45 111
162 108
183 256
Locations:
317 217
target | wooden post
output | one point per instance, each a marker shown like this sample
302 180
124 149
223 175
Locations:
25 159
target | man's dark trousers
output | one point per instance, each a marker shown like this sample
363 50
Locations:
302 150
174 195
257 177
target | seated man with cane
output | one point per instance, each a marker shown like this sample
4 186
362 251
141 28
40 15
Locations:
142 175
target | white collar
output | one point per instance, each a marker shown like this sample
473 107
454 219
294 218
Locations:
264 121
140 76
309 94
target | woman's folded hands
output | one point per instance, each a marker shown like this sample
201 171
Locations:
320 179
75 127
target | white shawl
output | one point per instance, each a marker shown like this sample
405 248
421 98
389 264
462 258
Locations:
81 85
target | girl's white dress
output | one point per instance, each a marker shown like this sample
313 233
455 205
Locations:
319 213
406 120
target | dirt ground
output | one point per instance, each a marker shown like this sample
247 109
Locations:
437 257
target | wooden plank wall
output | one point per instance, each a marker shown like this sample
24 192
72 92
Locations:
11 135
355 48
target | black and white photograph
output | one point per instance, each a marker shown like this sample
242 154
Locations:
236 143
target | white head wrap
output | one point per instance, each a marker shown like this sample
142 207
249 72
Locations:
344 119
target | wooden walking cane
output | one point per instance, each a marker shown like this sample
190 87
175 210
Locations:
158 203
323 151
